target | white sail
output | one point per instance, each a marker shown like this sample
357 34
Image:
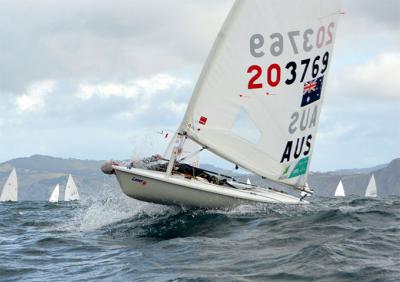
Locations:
55 194
371 188
71 191
340 190
10 189
190 151
258 99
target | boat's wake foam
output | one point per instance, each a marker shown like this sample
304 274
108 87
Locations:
123 217
107 210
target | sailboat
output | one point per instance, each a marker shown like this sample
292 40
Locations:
256 104
71 191
10 189
340 190
55 194
371 188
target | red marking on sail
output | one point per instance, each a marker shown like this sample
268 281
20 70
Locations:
203 120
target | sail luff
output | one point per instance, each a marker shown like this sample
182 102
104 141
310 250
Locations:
10 189
213 52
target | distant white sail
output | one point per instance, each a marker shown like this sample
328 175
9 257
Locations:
258 100
55 194
340 190
371 188
10 189
71 191
190 151
248 182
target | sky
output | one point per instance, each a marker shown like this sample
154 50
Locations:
98 79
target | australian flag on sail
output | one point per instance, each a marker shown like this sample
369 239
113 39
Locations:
312 91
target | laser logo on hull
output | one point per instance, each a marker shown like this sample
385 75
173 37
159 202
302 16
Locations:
139 180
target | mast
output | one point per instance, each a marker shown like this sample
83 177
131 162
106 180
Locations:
176 151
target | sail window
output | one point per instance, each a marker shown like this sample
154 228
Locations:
245 128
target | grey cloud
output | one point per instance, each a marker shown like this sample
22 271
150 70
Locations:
102 40
384 12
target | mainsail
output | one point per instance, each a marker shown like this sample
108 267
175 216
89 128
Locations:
10 189
259 97
371 188
55 194
340 190
71 191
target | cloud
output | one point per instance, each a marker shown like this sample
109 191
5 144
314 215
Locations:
378 12
34 99
101 40
131 89
377 78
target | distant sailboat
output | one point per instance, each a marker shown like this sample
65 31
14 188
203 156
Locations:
371 188
10 189
71 191
340 190
55 194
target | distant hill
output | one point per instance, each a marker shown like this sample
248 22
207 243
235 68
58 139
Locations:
38 174
358 170
47 163
387 180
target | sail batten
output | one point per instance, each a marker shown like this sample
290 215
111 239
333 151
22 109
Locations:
259 97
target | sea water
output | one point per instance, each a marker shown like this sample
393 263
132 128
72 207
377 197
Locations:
119 239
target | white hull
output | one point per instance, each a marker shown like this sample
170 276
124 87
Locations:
157 187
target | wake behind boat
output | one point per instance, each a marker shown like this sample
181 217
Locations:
256 104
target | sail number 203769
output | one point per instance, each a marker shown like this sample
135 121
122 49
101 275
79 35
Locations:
293 71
